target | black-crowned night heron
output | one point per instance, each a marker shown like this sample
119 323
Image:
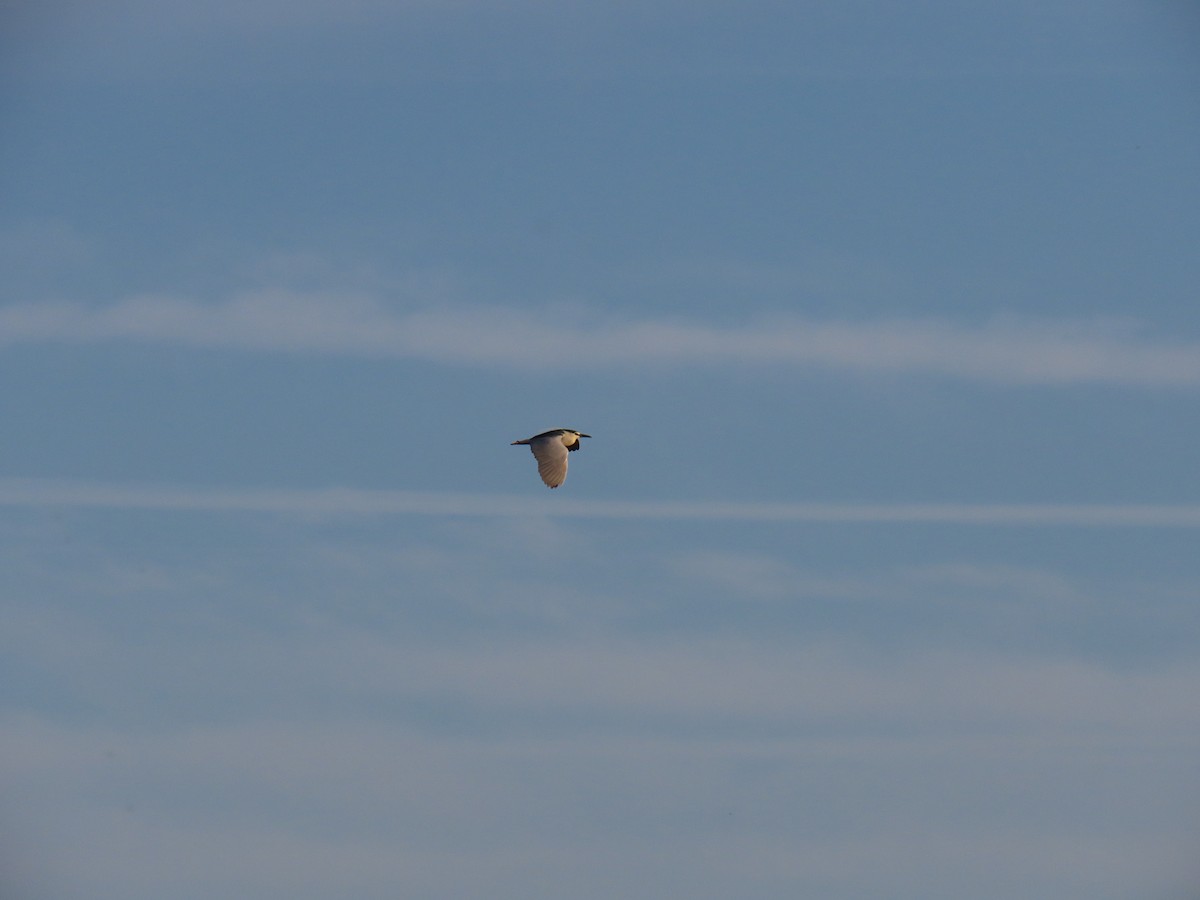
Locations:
550 449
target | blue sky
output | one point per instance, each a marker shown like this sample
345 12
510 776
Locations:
877 579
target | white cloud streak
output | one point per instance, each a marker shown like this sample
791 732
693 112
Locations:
356 501
1001 351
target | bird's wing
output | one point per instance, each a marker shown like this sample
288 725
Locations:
551 458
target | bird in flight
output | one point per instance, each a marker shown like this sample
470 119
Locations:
550 449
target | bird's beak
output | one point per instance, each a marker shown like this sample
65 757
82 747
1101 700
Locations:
581 434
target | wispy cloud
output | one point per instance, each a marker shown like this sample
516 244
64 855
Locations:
998 351
356 501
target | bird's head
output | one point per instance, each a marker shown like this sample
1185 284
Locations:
571 438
